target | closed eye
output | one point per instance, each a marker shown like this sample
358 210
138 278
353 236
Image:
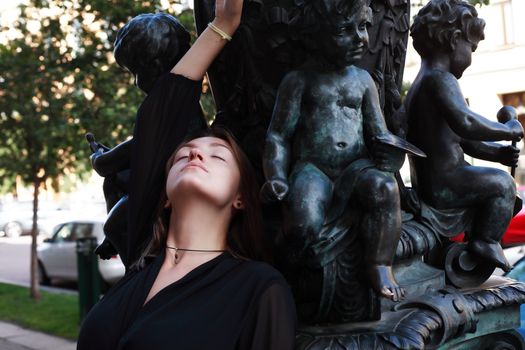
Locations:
219 158
180 158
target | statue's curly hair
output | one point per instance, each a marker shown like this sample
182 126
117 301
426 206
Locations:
437 21
150 45
308 16
307 13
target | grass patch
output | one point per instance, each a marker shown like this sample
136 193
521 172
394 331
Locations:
55 314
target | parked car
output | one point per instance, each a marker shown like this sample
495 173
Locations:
515 234
16 218
57 255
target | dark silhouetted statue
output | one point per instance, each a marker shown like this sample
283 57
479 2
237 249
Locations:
148 46
315 104
446 33
328 147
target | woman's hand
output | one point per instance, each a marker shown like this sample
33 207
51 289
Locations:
201 54
228 15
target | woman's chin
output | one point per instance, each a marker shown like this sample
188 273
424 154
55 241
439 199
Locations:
191 188
186 185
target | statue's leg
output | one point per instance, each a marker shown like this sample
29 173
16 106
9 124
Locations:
115 229
492 193
378 197
112 192
305 207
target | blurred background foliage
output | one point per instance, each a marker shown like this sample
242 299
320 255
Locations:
59 80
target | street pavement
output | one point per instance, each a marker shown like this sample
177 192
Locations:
14 260
14 265
13 337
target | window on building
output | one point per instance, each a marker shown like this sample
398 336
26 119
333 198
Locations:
516 100
499 30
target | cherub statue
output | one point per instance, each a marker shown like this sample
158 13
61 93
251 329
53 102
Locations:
445 34
328 145
148 46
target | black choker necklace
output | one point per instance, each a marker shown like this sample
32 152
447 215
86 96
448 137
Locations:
177 256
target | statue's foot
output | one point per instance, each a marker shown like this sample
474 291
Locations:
106 250
491 252
383 282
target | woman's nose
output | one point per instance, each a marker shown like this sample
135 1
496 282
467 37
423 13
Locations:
195 153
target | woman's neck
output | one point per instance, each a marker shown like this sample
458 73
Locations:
195 224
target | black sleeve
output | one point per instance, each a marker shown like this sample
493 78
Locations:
162 123
273 323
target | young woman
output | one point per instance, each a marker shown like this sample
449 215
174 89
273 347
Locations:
199 291
192 284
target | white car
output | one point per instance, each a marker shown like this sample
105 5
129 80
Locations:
57 257
16 218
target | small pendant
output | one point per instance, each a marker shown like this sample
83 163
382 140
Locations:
176 256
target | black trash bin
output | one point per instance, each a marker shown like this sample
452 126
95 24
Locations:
88 275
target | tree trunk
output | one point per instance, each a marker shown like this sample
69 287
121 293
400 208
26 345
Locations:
35 291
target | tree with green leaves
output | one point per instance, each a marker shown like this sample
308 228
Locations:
58 80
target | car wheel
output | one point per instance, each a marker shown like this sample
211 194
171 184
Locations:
13 229
43 279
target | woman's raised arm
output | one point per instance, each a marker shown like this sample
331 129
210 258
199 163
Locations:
195 62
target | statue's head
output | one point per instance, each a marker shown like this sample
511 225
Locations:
149 45
339 28
450 27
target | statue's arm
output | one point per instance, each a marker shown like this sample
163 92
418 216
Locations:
444 89
287 108
112 161
374 122
491 151
481 149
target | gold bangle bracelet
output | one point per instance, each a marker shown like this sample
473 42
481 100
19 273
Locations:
222 34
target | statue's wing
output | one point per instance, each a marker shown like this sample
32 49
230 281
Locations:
245 76
385 59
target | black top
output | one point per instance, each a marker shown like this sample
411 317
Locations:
163 121
225 303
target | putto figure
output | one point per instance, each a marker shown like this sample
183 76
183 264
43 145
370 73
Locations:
148 46
446 33
328 145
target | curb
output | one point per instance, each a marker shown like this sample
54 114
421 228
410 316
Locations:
55 290
13 337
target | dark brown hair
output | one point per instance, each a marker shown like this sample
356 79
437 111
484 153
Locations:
245 235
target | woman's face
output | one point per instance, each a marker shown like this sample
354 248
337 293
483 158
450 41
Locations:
206 167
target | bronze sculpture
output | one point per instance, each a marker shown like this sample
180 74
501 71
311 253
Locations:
321 158
148 46
441 123
325 146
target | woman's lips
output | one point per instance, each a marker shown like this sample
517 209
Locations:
196 165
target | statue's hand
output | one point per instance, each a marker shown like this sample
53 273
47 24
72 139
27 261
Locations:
508 155
516 129
93 157
387 158
274 190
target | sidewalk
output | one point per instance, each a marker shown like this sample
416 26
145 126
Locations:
13 337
